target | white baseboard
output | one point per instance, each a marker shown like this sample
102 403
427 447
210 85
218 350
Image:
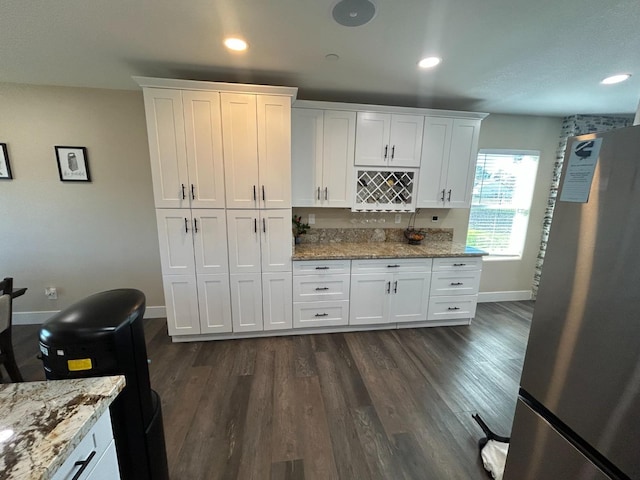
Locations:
510 296
37 318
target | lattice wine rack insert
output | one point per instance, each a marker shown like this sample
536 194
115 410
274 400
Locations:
384 190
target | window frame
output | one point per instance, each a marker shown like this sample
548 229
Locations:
512 152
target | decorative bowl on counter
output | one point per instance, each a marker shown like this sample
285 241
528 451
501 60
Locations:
414 236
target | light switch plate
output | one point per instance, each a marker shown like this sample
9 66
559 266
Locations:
312 219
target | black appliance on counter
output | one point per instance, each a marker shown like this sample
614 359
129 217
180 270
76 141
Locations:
103 335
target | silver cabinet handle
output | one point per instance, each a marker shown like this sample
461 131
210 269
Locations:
83 464
449 197
459 264
318 193
326 193
195 225
255 225
456 283
395 287
453 308
254 193
321 288
386 150
186 225
442 197
183 195
321 314
263 195
264 225
193 193
393 151
322 268
388 287
393 266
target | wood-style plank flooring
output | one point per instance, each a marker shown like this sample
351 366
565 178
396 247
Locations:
393 404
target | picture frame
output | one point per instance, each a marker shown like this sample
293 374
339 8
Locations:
73 164
5 166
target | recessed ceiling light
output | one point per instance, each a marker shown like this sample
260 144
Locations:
615 79
236 44
429 62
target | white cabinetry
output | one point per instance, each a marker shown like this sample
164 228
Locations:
384 139
260 266
257 150
322 150
454 288
321 293
447 170
95 456
185 146
193 255
389 291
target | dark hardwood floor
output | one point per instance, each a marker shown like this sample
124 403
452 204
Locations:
392 404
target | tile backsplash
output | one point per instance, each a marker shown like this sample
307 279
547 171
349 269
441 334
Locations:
369 235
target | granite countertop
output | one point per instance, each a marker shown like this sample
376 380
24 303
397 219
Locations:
42 422
343 251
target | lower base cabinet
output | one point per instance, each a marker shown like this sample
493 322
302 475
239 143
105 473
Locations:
261 301
95 456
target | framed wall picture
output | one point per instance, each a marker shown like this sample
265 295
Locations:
73 164
5 167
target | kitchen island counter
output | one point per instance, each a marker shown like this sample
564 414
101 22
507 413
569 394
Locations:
42 422
372 250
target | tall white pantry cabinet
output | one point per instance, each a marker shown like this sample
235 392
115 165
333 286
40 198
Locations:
221 169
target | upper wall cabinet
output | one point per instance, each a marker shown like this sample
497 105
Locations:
388 140
447 171
322 149
257 150
185 145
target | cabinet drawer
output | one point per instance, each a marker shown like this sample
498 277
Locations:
320 314
321 267
451 307
93 445
455 283
314 288
459 263
391 265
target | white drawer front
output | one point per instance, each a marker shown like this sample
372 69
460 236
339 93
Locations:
320 314
455 283
314 288
97 440
321 267
391 265
445 308
458 263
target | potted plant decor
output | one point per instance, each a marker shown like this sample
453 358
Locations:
299 228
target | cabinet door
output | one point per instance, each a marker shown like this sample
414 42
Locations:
107 466
462 163
165 128
372 139
246 302
181 301
337 161
274 151
210 241
276 243
277 301
175 240
369 303
405 141
436 144
203 132
214 302
243 235
240 146
409 297
307 135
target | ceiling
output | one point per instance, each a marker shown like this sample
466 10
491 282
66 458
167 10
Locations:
536 57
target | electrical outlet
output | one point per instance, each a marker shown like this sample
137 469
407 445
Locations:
312 219
434 219
51 293
398 218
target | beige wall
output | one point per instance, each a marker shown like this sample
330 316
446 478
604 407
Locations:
498 131
80 237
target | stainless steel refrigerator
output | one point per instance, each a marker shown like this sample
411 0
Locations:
578 414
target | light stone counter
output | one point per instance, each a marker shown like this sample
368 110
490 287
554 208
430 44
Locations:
42 422
349 251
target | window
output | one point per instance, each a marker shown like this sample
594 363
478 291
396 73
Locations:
502 193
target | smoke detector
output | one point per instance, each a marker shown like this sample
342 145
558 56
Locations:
353 13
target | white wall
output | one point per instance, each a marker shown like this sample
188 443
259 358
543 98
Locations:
79 237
